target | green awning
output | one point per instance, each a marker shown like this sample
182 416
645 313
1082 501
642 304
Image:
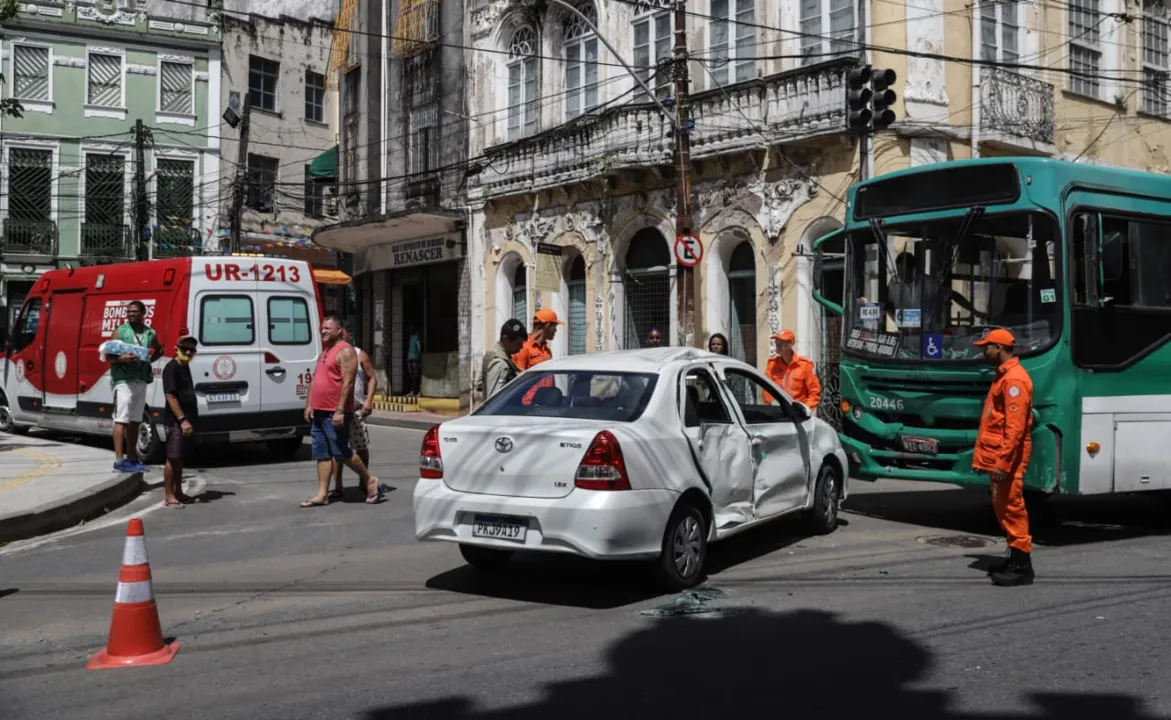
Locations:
324 166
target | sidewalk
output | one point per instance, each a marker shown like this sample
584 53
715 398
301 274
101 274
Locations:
417 420
47 486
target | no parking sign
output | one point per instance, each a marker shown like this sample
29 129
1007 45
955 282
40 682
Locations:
688 250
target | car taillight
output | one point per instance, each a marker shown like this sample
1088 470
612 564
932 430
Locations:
430 462
603 467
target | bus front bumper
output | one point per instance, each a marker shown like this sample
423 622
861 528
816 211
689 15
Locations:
868 463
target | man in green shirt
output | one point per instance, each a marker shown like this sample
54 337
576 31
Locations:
129 375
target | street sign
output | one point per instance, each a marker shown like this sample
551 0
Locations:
688 250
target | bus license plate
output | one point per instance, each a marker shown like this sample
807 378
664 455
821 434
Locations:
499 528
920 445
223 397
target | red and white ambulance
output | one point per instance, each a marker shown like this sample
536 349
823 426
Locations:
257 320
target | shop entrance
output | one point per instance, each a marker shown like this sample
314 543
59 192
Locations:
425 300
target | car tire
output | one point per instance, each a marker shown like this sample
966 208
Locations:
285 447
485 559
150 443
684 552
823 516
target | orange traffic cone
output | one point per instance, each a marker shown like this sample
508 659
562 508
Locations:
136 637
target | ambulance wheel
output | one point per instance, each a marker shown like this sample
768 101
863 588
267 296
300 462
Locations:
7 424
150 442
285 447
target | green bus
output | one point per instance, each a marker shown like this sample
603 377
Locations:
1074 259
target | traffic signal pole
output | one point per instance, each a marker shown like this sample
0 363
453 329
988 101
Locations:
869 100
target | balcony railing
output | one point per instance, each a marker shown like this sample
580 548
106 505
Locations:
1016 106
29 237
100 241
176 242
793 105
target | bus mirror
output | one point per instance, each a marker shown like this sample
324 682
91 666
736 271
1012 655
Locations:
828 257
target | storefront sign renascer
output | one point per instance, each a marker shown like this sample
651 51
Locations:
415 252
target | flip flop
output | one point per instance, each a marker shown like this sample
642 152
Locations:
374 499
174 505
311 503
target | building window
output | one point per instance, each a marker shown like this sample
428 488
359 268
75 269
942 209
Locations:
352 87
840 16
522 83
262 175
421 91
733 40
654 45
175 88
520 294
1085 54
314 97
581 63
31 72
30 184
105 80
647 287
999 31
174 205
1156 63
105 189
314 196
742 304
576 284
263 77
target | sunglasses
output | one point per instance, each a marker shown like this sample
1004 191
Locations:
188 350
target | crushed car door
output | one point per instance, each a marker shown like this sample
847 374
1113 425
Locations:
779 441
719 446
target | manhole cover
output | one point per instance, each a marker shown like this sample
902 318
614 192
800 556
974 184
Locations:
958 541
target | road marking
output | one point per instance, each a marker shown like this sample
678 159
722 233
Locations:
45 464
193 486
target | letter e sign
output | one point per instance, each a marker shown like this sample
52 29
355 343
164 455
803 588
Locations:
688 250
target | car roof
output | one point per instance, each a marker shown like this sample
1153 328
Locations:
646 360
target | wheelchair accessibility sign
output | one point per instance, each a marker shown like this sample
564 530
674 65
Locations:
933 346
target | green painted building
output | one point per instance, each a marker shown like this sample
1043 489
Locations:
111 92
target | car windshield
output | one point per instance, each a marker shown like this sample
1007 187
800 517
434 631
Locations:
575 394
928 291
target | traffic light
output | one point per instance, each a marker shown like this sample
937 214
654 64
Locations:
858 98
882 97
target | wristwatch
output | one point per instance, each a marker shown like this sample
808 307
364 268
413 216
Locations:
182 419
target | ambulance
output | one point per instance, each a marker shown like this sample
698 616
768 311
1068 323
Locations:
257 320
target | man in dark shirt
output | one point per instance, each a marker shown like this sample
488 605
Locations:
182 412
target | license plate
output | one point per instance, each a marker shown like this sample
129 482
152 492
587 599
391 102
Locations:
223 397
921 445
499 528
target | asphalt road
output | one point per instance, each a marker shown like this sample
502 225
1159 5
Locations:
338 613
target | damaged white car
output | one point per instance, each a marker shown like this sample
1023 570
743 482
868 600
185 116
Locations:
625 455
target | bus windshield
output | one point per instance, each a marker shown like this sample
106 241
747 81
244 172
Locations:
928 290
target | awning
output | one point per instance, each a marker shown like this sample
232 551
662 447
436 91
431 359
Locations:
331 277
324 166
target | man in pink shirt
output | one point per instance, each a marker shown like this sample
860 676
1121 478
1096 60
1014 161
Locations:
329 410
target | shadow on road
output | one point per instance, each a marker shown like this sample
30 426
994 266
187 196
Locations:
1060 521
804 664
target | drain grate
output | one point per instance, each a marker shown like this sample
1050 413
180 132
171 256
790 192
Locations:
957 541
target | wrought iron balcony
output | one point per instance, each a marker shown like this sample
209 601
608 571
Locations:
793 105
1016 107
176 242
103 241
29 237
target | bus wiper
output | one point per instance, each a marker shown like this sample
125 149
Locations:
876 230
973 215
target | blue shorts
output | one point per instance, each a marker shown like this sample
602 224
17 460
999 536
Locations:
330 442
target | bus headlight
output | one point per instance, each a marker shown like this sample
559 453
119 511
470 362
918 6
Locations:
857 413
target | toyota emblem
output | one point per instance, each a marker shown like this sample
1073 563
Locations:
503 444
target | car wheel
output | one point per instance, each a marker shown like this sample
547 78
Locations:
285 447
485 559
684 552
823 516
149 442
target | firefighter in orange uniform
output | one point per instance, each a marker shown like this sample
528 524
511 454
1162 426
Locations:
1003 446
794 373
536 349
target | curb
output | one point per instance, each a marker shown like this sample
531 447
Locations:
59 515
408 423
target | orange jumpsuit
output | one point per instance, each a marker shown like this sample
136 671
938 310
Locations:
798 378
530 354
1004 443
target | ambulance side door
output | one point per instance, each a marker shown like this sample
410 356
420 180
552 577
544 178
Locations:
227 368
291 338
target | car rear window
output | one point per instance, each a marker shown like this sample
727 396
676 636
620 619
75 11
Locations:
574 394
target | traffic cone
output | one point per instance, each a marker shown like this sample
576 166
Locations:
136 637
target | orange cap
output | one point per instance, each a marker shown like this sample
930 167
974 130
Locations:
997 336
785 336
547 316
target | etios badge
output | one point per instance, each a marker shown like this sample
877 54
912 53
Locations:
503 444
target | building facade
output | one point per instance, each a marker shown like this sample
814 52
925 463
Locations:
402 169
86 76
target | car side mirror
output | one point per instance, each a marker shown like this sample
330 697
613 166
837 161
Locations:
800 411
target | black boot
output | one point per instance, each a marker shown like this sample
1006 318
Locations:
1002 564
1018 572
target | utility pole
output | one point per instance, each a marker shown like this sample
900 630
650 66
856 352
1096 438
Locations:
241 175
141 209
685 277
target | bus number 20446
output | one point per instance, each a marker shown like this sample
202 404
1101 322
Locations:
882 403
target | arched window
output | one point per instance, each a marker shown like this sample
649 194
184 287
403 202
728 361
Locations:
647 287
522 83
742 304
581 63
520 294
576 284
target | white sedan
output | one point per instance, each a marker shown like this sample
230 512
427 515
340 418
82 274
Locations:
626 455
